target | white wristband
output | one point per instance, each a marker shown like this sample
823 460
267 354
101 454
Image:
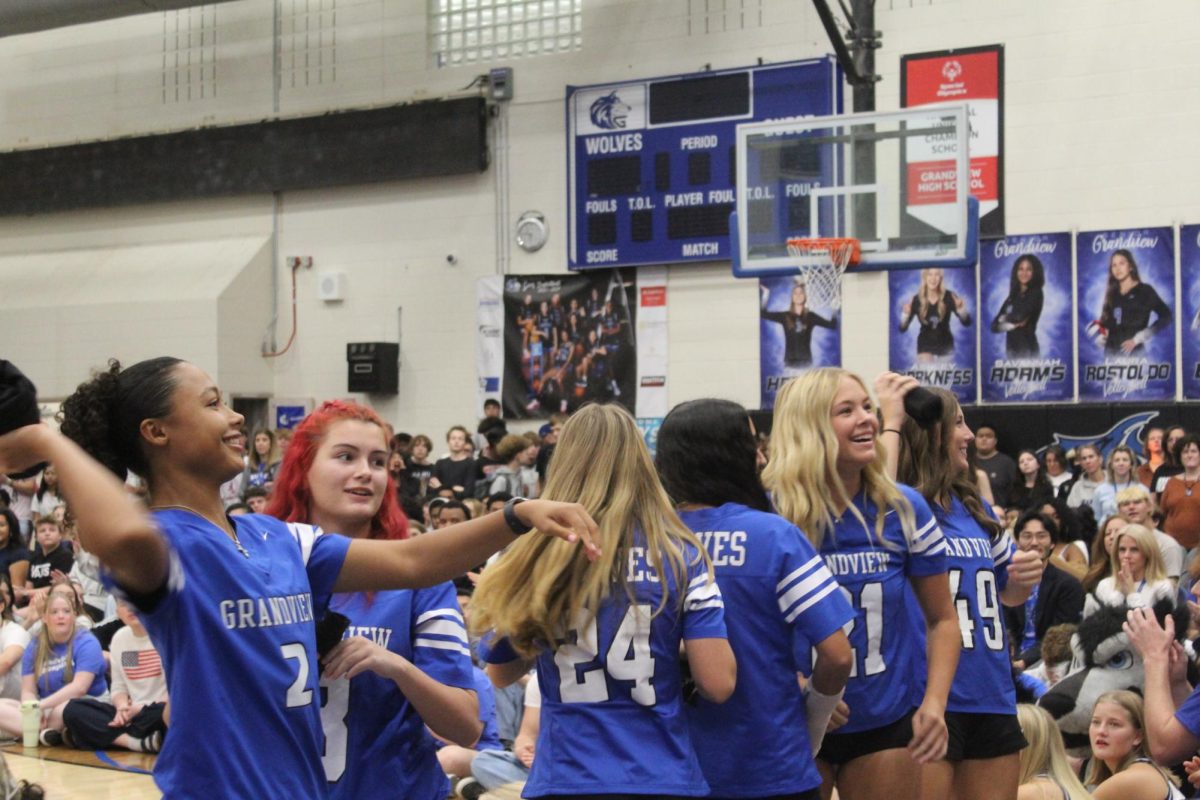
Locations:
818 709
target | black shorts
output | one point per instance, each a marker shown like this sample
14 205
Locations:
811 794
980 736
842 748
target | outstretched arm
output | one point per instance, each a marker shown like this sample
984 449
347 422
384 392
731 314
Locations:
111 524
439 556
1170 742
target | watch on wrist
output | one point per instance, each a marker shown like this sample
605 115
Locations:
510 518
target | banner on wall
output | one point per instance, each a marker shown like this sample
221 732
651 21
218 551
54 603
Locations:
792 337
973 75
1026 334
550 343
1189 309
1125 325
931 328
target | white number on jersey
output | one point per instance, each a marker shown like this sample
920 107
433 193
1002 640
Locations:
627 659
989 610
335 705
298 694
870 600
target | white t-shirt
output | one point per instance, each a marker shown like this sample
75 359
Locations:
136 668
12 634
533 694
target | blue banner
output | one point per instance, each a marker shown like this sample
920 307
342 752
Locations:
1126 333
792 335
1189 309
931 323
1026 335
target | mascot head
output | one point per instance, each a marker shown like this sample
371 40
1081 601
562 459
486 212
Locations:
609 112
1104 661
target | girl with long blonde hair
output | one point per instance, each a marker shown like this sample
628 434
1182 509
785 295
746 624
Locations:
1121 768
605 635
1138 577
932 306
827 476
1045 772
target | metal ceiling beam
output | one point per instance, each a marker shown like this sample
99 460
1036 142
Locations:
29 16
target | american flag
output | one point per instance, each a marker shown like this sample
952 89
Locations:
141 664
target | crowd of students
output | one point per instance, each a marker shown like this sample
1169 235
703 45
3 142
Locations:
856 606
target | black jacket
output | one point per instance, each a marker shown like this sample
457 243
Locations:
1060 600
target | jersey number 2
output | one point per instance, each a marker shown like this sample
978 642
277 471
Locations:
628 659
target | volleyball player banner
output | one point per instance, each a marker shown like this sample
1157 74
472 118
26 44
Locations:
931 325
1126 308
792 335
550 343
1189 309
1026 327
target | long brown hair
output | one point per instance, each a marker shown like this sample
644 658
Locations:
542 586
926 465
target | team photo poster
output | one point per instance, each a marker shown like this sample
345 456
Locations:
1025 332
1189 309
1126 292
793 335
932 328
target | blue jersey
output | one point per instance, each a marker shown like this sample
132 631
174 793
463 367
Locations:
489 739
874 577
375 741
237 639
774 586
612 708
983 683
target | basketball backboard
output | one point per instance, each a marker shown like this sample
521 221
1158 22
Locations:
898 181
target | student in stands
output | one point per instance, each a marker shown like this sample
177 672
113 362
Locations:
14 558
1180 500
1057 599
1032 487
776 590
1137 506
1120 477
135 719
827 475
61 662
230 602
1138 579
456 470
612 717
1121 768
404 663
1046 773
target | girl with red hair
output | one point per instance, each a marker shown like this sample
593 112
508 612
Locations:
404 662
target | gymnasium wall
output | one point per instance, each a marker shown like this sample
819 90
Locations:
1101 106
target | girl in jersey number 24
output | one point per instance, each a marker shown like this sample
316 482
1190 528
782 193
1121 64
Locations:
827 476
606 636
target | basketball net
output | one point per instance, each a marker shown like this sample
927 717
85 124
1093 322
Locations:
824 261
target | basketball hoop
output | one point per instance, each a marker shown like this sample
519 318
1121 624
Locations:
824 261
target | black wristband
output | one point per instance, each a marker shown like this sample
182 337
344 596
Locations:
510 518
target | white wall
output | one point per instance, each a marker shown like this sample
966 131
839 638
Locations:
1101 106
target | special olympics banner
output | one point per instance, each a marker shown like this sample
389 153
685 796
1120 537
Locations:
1126 291
974 75
1189 308
1026 334
791 336
931 328
566 340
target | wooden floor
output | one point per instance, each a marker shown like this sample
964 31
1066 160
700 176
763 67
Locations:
80 775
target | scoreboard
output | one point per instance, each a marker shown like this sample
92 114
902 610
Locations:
651 163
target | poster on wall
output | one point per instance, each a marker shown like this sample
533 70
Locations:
792 336
973 75
1026 333
931 328
550 343
1126 298
1189 309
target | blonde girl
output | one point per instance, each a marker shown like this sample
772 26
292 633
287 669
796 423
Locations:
605 635
932 306
1120 768
1045 772
1138 578
827 476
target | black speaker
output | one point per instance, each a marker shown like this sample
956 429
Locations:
373 367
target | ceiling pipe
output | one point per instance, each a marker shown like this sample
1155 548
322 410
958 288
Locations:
29 16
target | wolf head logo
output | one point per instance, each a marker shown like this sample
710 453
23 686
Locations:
1127 432
609 112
